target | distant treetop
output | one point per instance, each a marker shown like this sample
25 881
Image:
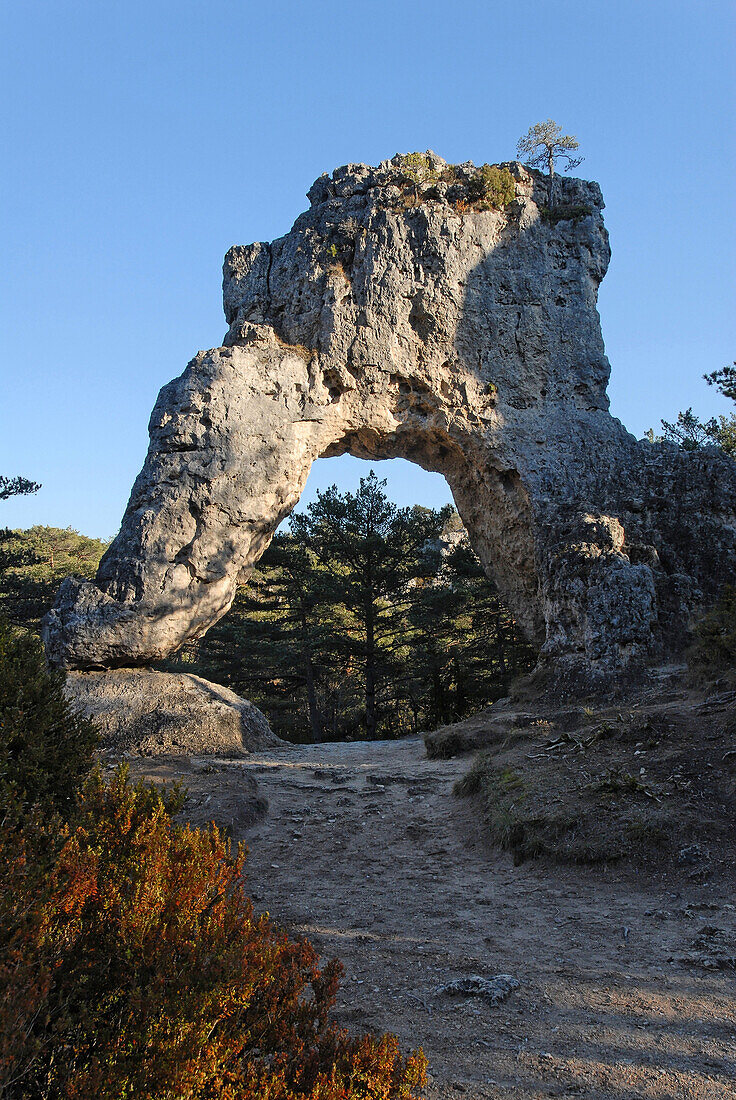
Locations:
17 487
724 380
544 144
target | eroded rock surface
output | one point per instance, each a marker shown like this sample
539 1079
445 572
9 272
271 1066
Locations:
462 338
165 713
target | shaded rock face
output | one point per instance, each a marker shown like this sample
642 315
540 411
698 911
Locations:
464 339
164 713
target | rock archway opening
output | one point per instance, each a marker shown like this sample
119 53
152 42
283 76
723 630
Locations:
369 615
407 483
490 498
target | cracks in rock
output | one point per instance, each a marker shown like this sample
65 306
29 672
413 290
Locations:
421 320
269 249
179 448
182 556
519 342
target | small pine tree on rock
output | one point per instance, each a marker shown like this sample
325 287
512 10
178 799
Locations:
543 145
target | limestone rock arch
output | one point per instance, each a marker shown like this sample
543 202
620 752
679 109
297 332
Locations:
461 337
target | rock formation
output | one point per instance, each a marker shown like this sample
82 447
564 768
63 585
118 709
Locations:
168 714
426 324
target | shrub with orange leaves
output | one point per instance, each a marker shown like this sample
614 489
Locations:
132 965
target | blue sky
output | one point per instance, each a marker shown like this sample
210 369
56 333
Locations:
141 140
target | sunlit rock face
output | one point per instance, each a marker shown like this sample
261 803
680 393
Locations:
465 339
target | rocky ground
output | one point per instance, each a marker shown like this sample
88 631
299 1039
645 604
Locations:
626 971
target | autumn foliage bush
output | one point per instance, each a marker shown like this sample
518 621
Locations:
132 965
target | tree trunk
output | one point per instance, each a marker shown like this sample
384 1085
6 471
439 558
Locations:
551 163
506 649
461 700
438 693
370 670
315 718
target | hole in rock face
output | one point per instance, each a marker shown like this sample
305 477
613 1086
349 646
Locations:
406 483
369 616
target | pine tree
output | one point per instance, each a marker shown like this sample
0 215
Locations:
281 643
17 487
33 563
374 550
543 145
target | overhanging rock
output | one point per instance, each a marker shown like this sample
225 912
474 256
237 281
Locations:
441 330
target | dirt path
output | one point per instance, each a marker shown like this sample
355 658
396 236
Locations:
366 851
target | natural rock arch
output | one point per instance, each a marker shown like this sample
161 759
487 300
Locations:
461 337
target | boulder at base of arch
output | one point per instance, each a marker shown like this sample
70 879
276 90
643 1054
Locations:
146 713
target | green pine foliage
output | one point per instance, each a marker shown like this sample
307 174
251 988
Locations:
365 620
17 487
45 748
725 433
544 144
33 564
724 380
467 645
374 552
283 645
691 433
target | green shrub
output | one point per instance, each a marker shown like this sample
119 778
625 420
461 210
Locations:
714 648
417 170
553 215
503 795
493 187
132 965
414 164
45 748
